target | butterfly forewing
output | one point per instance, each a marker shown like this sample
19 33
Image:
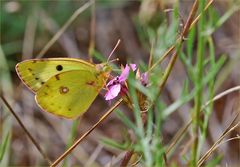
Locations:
36 72
69 94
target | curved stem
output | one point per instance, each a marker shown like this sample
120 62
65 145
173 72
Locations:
25 130
68 151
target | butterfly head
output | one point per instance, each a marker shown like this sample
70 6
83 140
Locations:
105 67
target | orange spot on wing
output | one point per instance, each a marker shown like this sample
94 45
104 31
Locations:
57 77
91 83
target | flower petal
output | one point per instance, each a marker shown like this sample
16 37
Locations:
111 82
133 66
113 92
124 74
144 78
123 77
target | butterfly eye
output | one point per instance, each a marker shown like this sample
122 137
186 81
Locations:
59 67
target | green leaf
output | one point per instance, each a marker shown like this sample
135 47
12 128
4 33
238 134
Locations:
214 162
114 144
5 142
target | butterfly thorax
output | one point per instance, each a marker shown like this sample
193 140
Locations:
104 70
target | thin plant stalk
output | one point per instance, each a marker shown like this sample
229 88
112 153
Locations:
173 46
209 109
72 137
183 130
65 26
198 98
229 129
179 45
25 130
92 32
68 151
177 137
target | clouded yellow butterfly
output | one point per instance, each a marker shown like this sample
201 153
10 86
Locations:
63 86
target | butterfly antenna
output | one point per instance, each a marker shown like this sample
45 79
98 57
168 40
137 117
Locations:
117 59
118 42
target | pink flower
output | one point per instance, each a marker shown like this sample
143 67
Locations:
117 85
144 79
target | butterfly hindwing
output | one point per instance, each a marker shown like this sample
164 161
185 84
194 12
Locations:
34 73
69 94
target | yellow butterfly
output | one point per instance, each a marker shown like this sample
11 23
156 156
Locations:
63 86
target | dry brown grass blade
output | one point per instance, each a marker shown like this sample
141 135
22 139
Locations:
228 140
65 26
179 45
67 43
229 129
126 158
25 130
197 18
185 128
162 58
150 60
178 136
219 96
68 151
92 32
29 36
174 46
